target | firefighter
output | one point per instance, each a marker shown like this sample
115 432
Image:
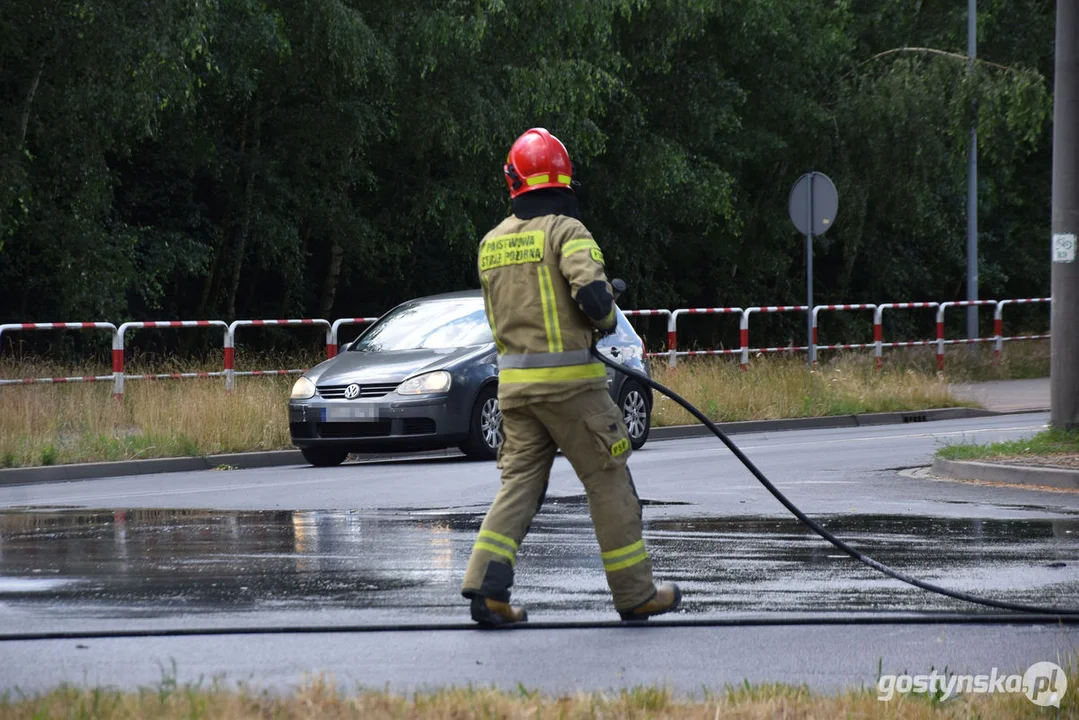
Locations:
547 300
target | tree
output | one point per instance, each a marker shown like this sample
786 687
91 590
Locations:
334 157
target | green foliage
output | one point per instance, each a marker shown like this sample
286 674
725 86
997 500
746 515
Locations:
49 454
84 83
1054 441
247 158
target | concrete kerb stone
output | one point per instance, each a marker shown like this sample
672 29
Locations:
1003 473
819 423
277 458
92 471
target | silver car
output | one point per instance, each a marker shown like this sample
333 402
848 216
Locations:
424 377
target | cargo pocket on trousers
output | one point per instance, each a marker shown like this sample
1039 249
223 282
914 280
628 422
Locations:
610 434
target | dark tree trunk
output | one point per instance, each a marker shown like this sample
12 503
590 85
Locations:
245 224
333 274
24 118
212 284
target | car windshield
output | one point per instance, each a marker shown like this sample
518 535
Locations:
428 325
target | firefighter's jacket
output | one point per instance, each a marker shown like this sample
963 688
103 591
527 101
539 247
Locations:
531 271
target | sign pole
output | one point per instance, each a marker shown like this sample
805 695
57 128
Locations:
972 189
809 272
817 191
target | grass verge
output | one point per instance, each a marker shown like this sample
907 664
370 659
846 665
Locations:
780 387
1046 444
46 425
80 422
977 363
66 423
319 698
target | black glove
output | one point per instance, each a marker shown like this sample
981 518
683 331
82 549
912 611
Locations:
598 333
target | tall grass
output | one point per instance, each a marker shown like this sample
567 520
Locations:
782 387
47 424
80 422
44 425
976 363
319 698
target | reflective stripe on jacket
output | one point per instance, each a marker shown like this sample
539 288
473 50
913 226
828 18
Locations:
530 272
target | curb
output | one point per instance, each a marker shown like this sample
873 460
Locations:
1012 474
278 458
678 432
92 471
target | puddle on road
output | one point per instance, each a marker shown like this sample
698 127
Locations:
156 563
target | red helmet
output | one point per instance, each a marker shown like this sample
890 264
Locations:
537 160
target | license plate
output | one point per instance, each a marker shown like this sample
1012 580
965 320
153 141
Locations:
350 412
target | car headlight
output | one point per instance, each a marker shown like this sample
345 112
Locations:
432 382
303 389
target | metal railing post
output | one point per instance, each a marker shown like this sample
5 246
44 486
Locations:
118 362
332 344
672 338
743 338
940 333
878 337
998 331
230 357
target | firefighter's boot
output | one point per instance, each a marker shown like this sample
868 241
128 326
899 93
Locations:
491 602
489 612
666 599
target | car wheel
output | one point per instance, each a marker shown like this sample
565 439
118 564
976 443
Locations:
636 413
485 428
324 457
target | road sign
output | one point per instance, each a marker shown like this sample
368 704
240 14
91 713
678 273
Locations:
812 207
814 192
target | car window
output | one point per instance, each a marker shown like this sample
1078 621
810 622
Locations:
428 325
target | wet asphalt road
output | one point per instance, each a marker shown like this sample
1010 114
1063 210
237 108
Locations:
383 543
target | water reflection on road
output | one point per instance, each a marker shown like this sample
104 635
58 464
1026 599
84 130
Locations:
70 563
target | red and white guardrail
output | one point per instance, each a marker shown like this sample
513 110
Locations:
673 353
672 340
57 326
878 333
941 342
998 324
119 376
230 346
845 346
744 331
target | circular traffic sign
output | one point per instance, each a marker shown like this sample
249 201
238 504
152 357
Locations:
825 203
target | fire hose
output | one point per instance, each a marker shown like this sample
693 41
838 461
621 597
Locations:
801 516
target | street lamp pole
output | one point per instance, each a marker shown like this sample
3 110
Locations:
1064 329
972 185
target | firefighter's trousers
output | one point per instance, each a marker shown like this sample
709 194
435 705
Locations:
588 428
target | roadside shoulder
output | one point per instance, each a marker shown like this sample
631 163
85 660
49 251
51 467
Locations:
1012 474
276 458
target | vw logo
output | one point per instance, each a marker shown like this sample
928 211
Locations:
352 392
